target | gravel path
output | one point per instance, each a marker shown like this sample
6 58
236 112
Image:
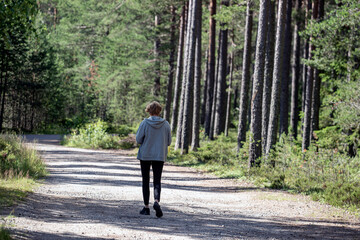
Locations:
92 194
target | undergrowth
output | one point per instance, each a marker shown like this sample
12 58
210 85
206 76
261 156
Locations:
95 135
18 159
325 174
20 166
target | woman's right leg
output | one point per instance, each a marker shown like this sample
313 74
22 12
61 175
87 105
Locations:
145 173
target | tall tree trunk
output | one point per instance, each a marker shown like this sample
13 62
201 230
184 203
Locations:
284 98
171 65
3 98
157 59
307 4
195 142
255 149
315 110
211 68
188 75
268 73
245 82
203 105
295 69
179 67
213 106
309 88
179 128
220 113
229 92
275 89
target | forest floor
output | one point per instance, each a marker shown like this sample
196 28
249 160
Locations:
96 194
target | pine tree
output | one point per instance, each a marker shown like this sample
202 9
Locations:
220 110
295 69
245 83
275 90
268 73
255 149
211 68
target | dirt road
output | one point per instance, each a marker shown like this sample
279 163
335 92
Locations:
93 194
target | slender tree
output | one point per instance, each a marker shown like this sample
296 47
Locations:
284 97
203 104
268 73
295 71
315 109
307 4
229 91
220 110
157 58
195 143
179 67
275 90
309 87
258 85
171 64
245 83
211 68
188 75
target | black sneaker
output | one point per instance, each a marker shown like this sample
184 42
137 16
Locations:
145 211
157 208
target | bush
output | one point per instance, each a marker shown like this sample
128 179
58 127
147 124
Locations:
94 135
17 159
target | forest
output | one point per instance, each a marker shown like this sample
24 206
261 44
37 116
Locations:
268 86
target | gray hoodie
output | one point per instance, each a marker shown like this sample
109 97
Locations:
154 135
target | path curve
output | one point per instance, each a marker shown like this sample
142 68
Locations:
96 194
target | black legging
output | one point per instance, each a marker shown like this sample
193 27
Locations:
157 167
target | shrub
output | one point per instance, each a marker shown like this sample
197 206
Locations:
18 159
94 135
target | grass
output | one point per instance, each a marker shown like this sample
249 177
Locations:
20 166
14 190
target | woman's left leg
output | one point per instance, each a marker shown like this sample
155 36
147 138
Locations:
157 167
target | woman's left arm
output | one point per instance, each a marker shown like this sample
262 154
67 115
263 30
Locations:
140 134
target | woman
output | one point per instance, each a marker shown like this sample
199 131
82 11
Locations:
154 135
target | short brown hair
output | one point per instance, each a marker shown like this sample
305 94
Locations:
153 108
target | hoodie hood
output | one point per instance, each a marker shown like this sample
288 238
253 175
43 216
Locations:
155 122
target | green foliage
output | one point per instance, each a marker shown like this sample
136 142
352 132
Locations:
18 160
94 135
323 173
4 233
122 130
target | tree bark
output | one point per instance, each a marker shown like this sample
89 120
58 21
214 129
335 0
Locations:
295 69
171 65
315 110
203 105
309 89
275 90
211 67
157 60
255 149
245 82
284 98
188 75
220 113
229 92
179 129
195 142
179 67
307 4
268 73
